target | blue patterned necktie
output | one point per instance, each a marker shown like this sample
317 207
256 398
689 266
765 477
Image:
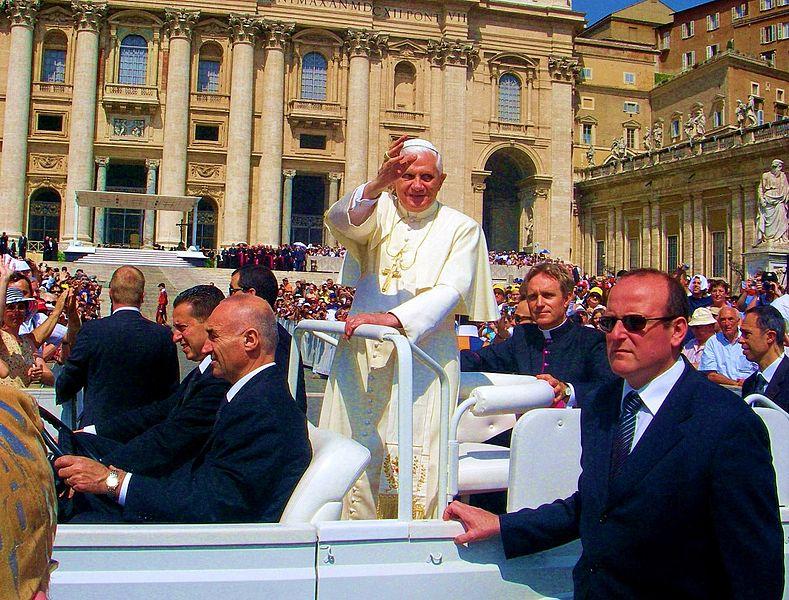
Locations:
625 429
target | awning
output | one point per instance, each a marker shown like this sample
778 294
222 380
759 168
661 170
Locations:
136 201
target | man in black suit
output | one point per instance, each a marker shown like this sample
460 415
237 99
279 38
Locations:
570 357
761 337
159 436
256 454
123 361
677 495
261 282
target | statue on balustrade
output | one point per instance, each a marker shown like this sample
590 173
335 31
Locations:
740 113
772 224
590 156
750 112
648 140
657 134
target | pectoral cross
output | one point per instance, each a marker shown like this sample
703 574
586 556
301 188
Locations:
392 272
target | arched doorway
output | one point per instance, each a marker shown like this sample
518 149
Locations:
506 205
206 223
309 201
43 214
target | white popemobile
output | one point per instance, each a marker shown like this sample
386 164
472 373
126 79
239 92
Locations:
312 554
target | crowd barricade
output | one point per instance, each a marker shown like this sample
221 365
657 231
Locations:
315 353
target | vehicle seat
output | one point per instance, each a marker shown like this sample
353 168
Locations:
337 462
479 429
545 457
777 424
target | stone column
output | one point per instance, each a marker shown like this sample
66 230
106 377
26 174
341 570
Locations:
620 234
101 185
610 244
149 224
436 94
687 231
589 241
269 213
22 14
287 205
749 214
646 236
699 255
737 226
176 119
239 137
82 127
334 196
656 250
563 71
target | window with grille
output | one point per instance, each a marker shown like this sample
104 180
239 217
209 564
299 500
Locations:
53 67
509 98
586 133
133 64
672 249
718 253
313 77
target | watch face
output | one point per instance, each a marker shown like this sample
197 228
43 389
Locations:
112 480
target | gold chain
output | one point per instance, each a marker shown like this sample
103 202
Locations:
398 256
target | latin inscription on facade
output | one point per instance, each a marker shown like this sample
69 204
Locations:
381 11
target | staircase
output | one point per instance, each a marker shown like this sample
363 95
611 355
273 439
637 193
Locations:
138 258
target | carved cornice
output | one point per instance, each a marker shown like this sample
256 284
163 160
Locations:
152 163
22 12
445 51
335 176
362 42
244 28
215 191
277 33
87 15
564 68
181 22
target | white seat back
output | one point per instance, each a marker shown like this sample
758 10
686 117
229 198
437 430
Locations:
337 462
545 457
778 427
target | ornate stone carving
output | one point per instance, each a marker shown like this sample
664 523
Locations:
206 171
56 15
289 173
216 192
128 127
22 12
57 183
563 68
696 125
152 163
48 162
453 52
772 224
181 22
244 28
87 15
334 176
361 42
278 33
102 161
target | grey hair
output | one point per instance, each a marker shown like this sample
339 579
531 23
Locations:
420 146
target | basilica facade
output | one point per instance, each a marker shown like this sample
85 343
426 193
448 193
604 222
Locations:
270 110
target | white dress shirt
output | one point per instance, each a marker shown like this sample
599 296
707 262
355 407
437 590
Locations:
771 369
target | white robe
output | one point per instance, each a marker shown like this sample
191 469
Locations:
444 272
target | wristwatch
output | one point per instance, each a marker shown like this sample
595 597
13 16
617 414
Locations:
568 391
112 482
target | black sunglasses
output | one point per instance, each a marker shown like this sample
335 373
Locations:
631 323
231 290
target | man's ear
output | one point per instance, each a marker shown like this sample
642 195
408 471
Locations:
251 339
250 291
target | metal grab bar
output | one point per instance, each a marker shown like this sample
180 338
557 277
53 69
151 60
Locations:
752 399
404 350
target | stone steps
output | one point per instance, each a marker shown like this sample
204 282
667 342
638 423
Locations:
138 258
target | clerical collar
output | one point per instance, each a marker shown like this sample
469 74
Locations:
548 334
430 211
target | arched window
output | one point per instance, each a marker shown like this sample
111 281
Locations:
405 86
509 98
44 214
133 61
208 67
53 65
313 76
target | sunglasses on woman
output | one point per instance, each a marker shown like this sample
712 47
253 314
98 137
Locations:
632 323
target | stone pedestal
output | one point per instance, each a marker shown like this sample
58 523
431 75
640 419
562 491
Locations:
766 257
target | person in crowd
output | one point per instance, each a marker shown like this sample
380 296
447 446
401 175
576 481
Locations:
777 298
261 282
500 294
161 305
417 263
594 318
123 361
677 495
698 288
719 294
23 246
571 358
594 299
27 519
722 359
34 318
161 435
702 325
762 338
4 248
256 453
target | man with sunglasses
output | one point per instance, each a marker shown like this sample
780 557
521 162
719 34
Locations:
677 495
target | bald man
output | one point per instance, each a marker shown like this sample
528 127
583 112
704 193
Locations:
723 360
123 361
254 458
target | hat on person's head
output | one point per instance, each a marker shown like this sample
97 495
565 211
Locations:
596 290
499 287
702 281
600 308
15 296
714 310
701 316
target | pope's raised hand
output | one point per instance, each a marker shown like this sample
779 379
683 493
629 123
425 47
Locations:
392 169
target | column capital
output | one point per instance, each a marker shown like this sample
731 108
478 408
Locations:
564 68
102 161
363 42
334 176
277 33
244 28
152 163
180 22
446 51
87 15
23 12
289 173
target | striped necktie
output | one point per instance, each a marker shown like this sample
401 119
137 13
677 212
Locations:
625 429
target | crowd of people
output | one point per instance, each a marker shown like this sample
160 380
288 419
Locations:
286 257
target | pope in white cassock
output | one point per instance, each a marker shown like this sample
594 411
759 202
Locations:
416 263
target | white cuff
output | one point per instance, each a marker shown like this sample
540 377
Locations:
91 429
360 208
124 489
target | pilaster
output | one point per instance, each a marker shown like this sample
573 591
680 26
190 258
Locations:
101 185
287 204
149 224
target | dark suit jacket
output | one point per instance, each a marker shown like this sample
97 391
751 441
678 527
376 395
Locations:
692 514
281 357
778 388
577 356
246 472
123 361
163 435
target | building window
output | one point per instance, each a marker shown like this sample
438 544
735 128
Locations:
509 98
630 78
312 142
688 59
739 11
718 253
600 256
675 128
133 60
665 40
206 133
783 31
760 117
49 122
630 137
768 34
313 77
754 89
634 252
208 67
687 30
586 73
672 249
713 21
717 117
405 86
587 103
53 64
712 50
766 4
779 95
587 130
630 107
769 57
